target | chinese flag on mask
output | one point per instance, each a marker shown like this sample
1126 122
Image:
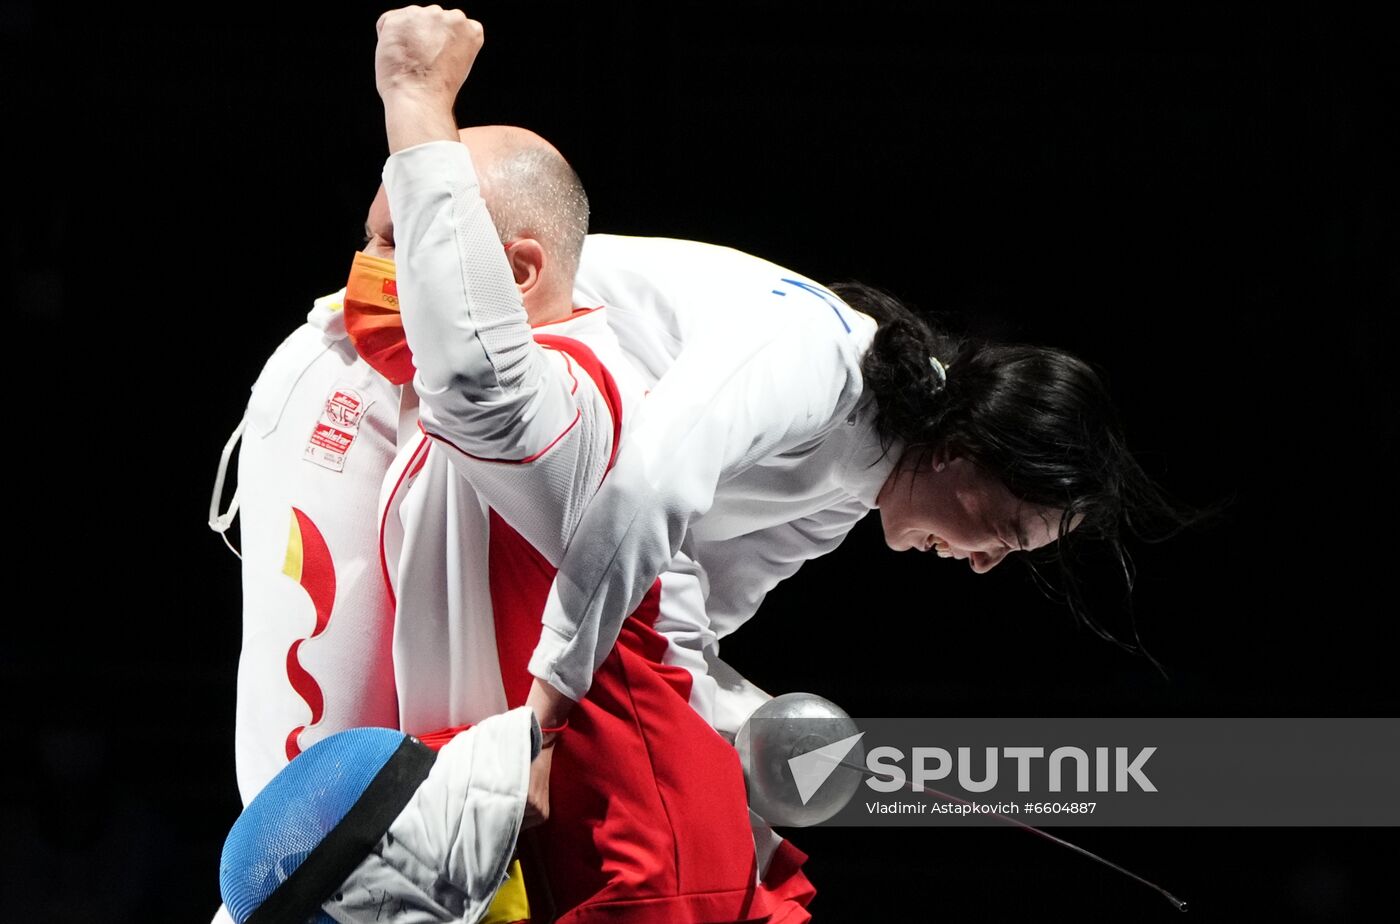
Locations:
372 318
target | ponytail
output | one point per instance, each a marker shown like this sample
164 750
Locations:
1038 418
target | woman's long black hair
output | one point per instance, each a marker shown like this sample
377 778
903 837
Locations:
1038 418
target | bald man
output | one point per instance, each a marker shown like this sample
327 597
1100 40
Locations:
323 426
473 518
523 403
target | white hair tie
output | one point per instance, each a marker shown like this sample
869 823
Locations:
940 371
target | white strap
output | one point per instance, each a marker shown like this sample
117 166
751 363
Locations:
220 522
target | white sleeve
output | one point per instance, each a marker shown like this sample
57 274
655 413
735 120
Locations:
736 697
733 397
530 429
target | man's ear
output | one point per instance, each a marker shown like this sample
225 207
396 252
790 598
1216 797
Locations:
526 257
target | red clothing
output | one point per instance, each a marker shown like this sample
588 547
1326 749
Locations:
647 802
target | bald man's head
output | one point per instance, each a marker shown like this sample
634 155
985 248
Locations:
531 191
532 194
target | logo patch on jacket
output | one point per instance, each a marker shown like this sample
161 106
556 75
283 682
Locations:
335 432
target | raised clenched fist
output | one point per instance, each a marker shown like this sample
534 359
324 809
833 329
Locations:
426 51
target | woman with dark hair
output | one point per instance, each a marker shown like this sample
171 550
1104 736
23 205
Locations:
782 412
1004 448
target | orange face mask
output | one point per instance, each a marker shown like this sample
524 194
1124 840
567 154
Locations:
372 318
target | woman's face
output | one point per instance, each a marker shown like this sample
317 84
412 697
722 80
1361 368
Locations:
954 507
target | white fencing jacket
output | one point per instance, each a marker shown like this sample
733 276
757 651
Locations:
754 452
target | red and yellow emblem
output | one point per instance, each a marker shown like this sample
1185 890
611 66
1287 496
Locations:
308 563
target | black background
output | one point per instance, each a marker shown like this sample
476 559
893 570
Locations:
1190 196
